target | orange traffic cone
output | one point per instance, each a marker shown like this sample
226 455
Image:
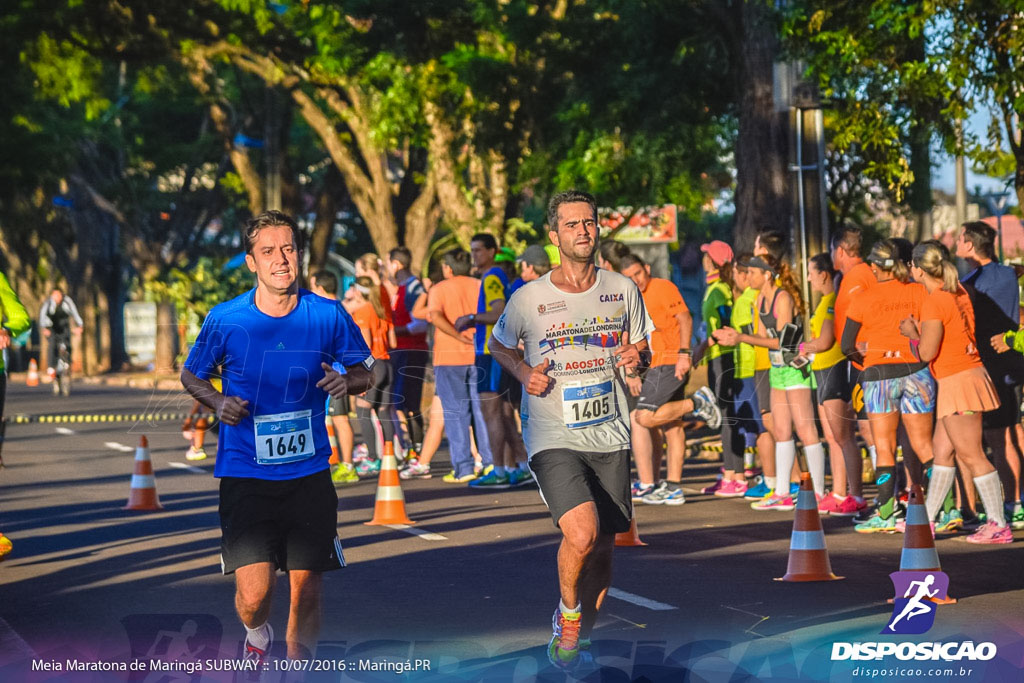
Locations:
32 379
629 538
333 438
919 554
389 507
808 557
143 492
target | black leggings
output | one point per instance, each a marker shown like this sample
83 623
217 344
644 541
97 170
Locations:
722 380
380 398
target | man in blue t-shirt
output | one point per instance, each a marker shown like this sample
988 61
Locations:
280 350
996 299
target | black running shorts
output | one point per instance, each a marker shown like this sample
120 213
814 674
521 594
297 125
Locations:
764 391
1008 413
569 478
292 524
833 383
409 366
660 387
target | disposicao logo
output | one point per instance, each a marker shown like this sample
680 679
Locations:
914 608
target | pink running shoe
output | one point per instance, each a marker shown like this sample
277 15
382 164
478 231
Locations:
990 532
848 507
773 502
713 488
828 504
732 489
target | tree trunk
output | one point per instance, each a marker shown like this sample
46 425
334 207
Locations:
323 227
762 184
919 196
166 337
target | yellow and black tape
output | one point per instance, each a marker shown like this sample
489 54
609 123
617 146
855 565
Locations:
717 448
99 418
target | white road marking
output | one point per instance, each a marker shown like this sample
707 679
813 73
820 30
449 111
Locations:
422 533
640 600
190 468
115 446
65 431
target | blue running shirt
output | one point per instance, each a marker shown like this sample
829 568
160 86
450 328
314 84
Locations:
274 363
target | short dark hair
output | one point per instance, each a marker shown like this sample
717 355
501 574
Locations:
568 197
458 260
850 238
486 239
983 237
613 252
271 219
326 280
402 255
630 260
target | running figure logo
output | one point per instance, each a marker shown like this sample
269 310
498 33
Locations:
913 609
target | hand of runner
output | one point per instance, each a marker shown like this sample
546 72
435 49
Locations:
634 384
334 383
998 342
726 336
538 383
463 323
5 339
231 410
627 354
909 328
683 365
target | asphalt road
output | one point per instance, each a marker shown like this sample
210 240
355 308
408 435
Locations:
469 590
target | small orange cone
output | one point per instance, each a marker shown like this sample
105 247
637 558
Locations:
32 379
808 557
389 507
919 554
143 492
631 537
333 438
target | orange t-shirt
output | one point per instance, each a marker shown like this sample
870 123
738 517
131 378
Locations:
858 280
879 310
958 351
664 302
366 318
453 298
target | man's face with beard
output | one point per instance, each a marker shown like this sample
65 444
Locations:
576 232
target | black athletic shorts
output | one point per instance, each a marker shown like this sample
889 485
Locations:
511 389
568 478
292 524
764 391
1008 412
833 383
660 387
409 366
857 393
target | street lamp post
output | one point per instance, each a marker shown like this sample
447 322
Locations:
996 202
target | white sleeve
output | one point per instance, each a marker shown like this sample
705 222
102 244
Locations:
639 322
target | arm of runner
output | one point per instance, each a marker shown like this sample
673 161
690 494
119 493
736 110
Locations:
727 336
849 341
824 341
441 324
628 355
931 340
534 378
685 360
497 307
355 380
229 409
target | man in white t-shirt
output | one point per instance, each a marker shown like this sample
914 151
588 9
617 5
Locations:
576 324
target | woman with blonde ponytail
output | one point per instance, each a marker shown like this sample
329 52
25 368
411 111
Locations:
945 339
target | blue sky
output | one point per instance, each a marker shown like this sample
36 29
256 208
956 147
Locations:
944 174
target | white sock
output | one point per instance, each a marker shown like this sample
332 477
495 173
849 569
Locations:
785 456
258 637
939 486
815 454
565 610
645 484
873 452
991 491
770 482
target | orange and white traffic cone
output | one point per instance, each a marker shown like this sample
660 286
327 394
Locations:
919 554
333 438
631 537
32 379
142 495
808 557
389 507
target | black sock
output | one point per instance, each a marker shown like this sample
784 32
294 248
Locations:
886 482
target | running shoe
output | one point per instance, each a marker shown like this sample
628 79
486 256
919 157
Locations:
1015 515
519 477
5 546
491 481
564 648
877 525
774 502
360 453
415 470
732 489
794 488
368 467
195 454
949 522
972 522
344 473
664 495
758 492
848 507
705 406
713 488
638 491
450 478
828 505
258 656
990 532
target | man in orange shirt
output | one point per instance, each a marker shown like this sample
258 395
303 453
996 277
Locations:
454 364
666 379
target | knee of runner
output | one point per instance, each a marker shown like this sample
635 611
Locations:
645 417
582 539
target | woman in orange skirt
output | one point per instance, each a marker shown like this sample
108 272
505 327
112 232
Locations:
945 338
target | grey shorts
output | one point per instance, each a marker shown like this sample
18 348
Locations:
660 387
568 478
